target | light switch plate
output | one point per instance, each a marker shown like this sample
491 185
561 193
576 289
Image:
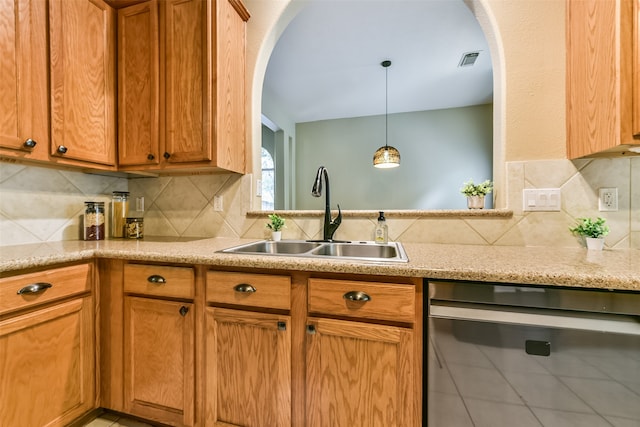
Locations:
217 203
541 199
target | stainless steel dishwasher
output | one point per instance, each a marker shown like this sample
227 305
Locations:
519 356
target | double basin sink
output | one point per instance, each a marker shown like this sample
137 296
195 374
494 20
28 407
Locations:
361 251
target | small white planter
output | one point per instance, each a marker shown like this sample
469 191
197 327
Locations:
475 202
594 243
276 236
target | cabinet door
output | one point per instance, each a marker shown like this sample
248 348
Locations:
82 80
138 84
600 77
248 369
23 67
47 365
359 374
159 360
230 100
187 90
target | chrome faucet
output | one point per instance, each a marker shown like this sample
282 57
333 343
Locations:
330 225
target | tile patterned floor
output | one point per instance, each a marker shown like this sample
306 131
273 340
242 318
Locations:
113 420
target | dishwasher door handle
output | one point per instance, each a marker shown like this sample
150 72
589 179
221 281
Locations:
617 324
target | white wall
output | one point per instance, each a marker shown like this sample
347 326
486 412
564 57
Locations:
439 151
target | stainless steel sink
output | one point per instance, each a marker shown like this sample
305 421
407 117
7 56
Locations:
283 247
358 250
361 251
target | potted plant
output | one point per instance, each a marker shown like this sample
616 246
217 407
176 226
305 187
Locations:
275 224
592 230
475 193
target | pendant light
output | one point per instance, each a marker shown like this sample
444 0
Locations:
387 156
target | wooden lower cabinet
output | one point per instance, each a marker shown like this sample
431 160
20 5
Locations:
359 374
47 365
248 369
159 360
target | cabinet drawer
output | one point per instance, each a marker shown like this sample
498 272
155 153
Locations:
43 286
254 290
156 280
386 301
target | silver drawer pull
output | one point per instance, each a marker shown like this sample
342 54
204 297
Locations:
157 279
357 296
34 288
244 288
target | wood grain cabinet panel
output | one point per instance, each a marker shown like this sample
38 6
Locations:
159 360
138 85
603 94
159 281
385 301
47 347
16 292
199 71
83 122
248 362
24 114
359 375
249 290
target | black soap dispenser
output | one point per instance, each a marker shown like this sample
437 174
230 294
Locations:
381 235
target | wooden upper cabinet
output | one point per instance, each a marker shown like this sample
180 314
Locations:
24 122
230 80
138 84
603 98
199 69
186 133
83 123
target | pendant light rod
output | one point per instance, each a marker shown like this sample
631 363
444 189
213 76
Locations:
386 64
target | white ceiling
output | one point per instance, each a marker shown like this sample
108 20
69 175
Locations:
326 64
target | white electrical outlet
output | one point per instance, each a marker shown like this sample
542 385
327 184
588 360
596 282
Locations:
541 199
608 199
217 203
258 188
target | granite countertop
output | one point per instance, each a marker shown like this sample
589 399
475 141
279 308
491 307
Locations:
609 269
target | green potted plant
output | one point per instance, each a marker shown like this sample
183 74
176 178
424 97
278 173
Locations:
593 231
476 192
275 224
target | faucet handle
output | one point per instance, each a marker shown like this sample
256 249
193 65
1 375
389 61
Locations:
337 220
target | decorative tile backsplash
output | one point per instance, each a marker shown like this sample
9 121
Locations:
40 204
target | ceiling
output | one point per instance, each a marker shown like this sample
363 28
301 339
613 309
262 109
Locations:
326 64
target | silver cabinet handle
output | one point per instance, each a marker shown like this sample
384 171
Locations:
62 149
29 143
34 288
244 288
157 279
357 296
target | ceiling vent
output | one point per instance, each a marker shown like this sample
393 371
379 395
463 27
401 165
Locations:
468 59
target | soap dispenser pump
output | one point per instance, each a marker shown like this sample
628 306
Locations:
381 234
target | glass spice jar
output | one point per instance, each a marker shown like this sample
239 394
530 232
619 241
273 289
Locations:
134 228
94 221
119 212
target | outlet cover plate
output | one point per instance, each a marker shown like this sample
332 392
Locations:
608 199
541 199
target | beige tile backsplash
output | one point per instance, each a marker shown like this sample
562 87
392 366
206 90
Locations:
41 204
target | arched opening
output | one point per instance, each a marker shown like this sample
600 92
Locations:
486 21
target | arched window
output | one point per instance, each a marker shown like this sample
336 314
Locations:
268 181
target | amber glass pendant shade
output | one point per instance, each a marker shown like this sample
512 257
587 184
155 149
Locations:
386 157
